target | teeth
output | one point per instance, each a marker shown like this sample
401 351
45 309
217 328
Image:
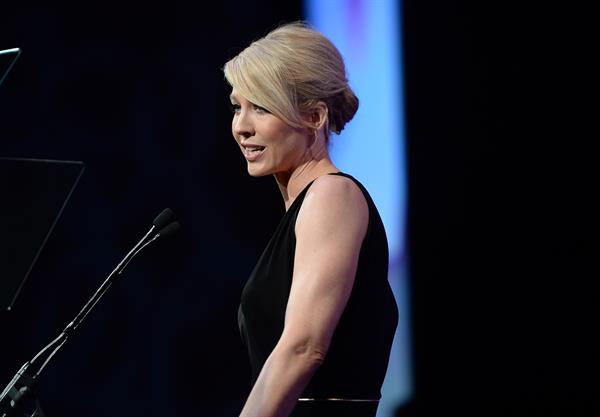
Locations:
253 149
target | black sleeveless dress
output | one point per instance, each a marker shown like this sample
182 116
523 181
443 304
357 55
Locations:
355 365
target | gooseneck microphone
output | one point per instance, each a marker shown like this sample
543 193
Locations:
15 399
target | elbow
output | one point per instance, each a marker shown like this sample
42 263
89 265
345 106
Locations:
312 355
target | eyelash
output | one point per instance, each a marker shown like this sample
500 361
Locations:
236 107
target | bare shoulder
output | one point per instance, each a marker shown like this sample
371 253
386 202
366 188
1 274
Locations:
333 200
336 187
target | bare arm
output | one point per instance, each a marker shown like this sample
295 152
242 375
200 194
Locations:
330 228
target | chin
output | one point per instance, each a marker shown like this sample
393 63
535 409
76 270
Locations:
257 172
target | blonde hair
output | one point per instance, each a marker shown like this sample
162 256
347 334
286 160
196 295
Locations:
289 71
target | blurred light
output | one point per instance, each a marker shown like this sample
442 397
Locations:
371 147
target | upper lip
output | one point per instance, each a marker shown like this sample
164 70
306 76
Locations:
252 145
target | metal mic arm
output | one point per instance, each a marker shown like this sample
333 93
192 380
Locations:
14 400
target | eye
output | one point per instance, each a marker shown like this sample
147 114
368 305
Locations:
259 109
235 108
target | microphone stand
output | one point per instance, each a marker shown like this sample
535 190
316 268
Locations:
14 400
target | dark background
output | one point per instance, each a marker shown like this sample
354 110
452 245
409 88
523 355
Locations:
137 93
503 219
502 227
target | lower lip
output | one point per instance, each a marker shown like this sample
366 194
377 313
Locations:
253 156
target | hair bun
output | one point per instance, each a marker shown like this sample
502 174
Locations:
342 108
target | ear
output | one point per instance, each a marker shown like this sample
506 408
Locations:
318 115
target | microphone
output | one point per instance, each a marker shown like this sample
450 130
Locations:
163 218
173 227
165 231
12 398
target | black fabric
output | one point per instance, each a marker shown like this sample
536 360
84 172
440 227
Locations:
357 359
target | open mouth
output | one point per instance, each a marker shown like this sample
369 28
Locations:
253 150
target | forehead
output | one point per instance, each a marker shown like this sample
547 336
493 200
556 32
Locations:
236 96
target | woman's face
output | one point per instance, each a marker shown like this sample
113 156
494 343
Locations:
268 144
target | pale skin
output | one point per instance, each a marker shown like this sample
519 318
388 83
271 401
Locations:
330 228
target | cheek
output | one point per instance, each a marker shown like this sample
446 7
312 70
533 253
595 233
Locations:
286 149
283 140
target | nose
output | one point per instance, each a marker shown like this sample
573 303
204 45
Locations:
242 126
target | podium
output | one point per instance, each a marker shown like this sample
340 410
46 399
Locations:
33 194
8 57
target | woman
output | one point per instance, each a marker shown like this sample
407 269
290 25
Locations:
317 314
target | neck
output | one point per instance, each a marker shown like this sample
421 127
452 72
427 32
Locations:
292 183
